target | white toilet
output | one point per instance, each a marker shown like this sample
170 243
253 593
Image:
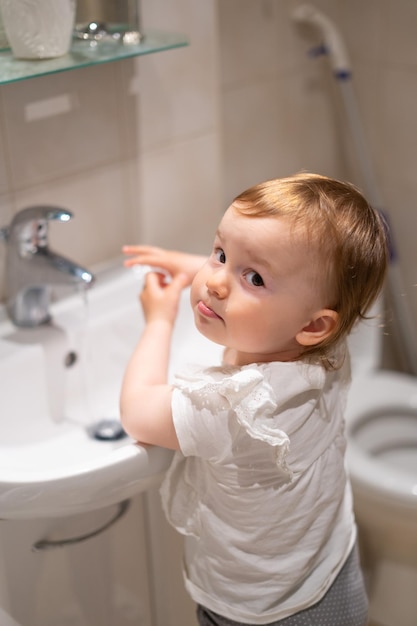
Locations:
381 423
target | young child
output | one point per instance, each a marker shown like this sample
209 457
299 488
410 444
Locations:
258 485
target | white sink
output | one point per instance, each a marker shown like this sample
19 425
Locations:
49 463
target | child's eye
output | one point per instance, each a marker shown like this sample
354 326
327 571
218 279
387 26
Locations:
220 255
254 279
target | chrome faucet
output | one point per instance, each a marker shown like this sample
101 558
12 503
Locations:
31 267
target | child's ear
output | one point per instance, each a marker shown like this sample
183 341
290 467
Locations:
320 328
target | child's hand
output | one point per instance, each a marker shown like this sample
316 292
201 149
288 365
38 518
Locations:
159 300
170 260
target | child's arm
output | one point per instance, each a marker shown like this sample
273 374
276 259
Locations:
170 260
145 401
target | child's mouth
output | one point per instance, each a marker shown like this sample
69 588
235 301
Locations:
206 311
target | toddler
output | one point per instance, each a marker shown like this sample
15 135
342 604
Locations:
258 485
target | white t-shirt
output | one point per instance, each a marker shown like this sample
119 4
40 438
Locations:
259 488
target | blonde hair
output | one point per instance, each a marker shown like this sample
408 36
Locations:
350 236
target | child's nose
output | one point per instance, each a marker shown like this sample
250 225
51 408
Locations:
217 284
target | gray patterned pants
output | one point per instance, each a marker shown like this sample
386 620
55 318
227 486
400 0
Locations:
345 604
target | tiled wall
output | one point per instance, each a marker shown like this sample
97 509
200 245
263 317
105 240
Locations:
179 133
153 149
283 111
278 116
76 158
134 150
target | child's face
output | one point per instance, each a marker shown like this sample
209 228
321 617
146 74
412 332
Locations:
259 288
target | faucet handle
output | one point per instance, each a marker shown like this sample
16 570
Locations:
34 214
40 212
30 226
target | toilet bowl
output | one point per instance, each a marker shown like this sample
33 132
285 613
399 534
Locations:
381 427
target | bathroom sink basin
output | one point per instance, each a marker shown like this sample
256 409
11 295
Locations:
58 381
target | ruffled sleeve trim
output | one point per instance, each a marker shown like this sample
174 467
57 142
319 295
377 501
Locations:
253 400
247 392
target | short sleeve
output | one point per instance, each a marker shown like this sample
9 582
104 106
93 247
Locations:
210 405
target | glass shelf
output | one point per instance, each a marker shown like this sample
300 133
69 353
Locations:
83 54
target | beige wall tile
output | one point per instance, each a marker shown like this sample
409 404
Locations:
180 194
254 147
179 87
397 160
360 24
397 41
128 91
397 105
4 164
6 210
278 126
250 40
83 133
6 213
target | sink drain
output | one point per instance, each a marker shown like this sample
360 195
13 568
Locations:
107 430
